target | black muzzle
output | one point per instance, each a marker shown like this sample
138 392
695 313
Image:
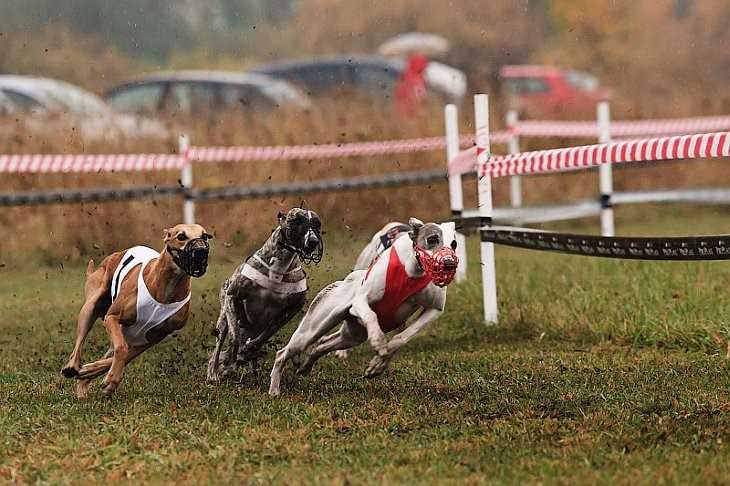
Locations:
313 249
193 259
310 248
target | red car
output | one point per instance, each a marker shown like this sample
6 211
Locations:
551 92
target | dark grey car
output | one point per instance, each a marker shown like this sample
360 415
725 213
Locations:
193 92
373 76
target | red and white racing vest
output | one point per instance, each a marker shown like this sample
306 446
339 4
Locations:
399 287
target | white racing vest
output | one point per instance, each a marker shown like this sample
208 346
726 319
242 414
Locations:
150 313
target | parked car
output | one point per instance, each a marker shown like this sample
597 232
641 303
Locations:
196 92
38 99
6 107
551 92
372 76
12 102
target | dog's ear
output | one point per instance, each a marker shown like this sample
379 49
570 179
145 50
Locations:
166 234
303 204
415 224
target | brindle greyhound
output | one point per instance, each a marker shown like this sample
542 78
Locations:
266 291
142 296
411 275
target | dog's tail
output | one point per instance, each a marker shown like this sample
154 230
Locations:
90 267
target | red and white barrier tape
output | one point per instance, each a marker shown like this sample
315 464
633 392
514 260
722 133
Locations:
573 158
360 149
643 128
464 162
150 162
89 163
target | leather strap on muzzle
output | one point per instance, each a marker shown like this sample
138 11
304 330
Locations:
313 256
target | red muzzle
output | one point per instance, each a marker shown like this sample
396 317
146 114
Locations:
441 266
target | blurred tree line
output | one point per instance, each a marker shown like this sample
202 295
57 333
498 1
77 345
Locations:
151 29
659 56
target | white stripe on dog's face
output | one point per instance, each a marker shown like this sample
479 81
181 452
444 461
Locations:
449 232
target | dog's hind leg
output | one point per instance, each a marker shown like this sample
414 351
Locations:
83 384
314 325
330 307
252 346
214 362
93 308
348 336
97 368
94 369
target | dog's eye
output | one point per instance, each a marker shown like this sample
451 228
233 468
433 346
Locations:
182 237
453 245
432 240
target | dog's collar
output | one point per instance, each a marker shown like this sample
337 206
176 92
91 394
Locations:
280 242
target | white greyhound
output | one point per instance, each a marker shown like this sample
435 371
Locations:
411 274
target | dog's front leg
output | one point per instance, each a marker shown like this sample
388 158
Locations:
380 361
369 319
234 331
255 344
86 319
121 349
214 361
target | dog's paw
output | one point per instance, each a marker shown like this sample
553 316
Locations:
343 354
110 385
305 368
377 366
213 377
70 371
297 360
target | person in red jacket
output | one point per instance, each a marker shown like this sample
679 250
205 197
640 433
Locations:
410 92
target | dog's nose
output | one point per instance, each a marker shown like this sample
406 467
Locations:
449 264
312 243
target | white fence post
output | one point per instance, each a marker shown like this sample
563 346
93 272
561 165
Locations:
605 171
456 194
489 282
186 179
513 146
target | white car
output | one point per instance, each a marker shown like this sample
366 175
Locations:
42 97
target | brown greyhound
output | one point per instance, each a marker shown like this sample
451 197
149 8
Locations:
142 296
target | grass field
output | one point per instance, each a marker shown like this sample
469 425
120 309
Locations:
600 371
